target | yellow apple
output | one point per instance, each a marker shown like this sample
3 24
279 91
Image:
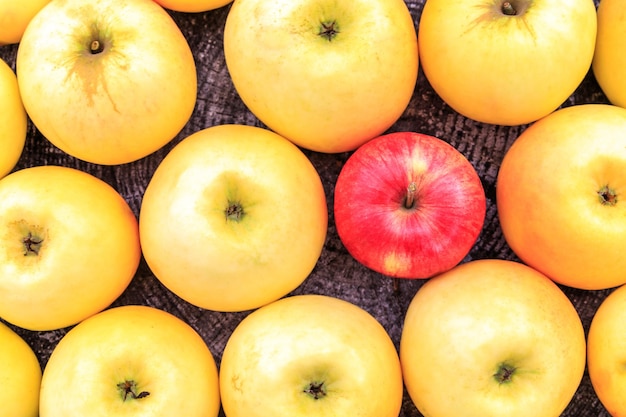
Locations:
492 338
310 355
106 81
193 6
506 62
130 361
20 376
606 347
15 16
69 246
233 218
609 61
13 121
328 75
561 196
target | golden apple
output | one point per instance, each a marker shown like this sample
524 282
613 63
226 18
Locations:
20 375
13 121
506 62
130 361
233 218
606 347
69 246
106 81
328 75
15 16
492 338
609 61
310 355
560 196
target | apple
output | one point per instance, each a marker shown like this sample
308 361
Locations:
605 352
20 374
310 355
506 62
328 75
609 62
559 196
15 16
408 205
492 337
13 120
130 361
106 81
192 6
69 246
233 218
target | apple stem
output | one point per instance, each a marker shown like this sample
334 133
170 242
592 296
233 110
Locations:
127 388
32 244
96 47
409 200
316 390
508 9
608 196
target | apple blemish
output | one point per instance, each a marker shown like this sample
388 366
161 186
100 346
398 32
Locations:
128 389
315 390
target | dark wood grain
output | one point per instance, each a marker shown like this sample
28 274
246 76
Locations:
336 273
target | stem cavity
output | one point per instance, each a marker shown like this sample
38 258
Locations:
508 9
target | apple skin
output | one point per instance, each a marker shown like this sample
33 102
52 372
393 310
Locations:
609 61
486 317
13 120
15 16
501 69
69 246
606 344
281 352
377 228
324 95
20 374
560 192
169 363
226 262
193 6
106 81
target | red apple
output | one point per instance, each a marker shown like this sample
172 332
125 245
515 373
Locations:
408 205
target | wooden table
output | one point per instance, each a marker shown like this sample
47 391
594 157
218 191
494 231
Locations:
336 273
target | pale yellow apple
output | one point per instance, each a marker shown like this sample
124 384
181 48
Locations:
560 196
20 376
130 361
13 121
492 338
69 246
609 61
233 218
506 62
15 16
328 75
606 352
106 81
193 6
310 355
